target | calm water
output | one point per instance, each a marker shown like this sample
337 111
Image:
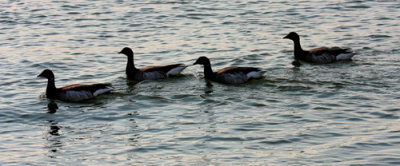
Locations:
337 114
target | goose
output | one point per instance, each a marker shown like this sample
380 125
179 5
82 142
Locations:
150 72
72 93
319 55
229 75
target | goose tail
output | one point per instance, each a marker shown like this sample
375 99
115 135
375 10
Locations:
256 74
176 71
345 56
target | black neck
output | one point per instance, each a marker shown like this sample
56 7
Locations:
208 73
51 88
298 51
130 66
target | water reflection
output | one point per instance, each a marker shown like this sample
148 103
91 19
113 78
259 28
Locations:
133 139
54 143
133 128
296 63
131 85
52 107
211 121
53 128
209 131
52 135
208 89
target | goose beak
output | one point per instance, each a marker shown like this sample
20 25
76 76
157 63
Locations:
196 63
286 37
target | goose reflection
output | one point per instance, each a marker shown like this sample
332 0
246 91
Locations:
54 143
52 107
133 129
54 128
296 63
134 136
131 85
208 89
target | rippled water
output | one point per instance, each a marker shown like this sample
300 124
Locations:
337 114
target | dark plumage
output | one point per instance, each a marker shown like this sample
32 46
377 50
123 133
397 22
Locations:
318 55
150 72
229 75
74 93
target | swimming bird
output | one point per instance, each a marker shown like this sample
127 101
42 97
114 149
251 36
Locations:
150 72
319 55
229 75
72 93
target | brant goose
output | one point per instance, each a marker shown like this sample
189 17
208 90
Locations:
150 72
229 75
319 55
73 93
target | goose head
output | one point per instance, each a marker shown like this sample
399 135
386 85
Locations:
47 73
202 61
126 51
292 36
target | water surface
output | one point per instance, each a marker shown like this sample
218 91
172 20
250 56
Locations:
345 113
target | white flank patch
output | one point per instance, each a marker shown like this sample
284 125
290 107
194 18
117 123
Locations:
255 74
345 56
175 71
101 91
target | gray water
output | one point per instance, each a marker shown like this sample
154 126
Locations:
345 113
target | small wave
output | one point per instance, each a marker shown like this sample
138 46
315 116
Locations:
379 36
277 142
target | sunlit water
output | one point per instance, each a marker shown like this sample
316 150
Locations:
337 114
